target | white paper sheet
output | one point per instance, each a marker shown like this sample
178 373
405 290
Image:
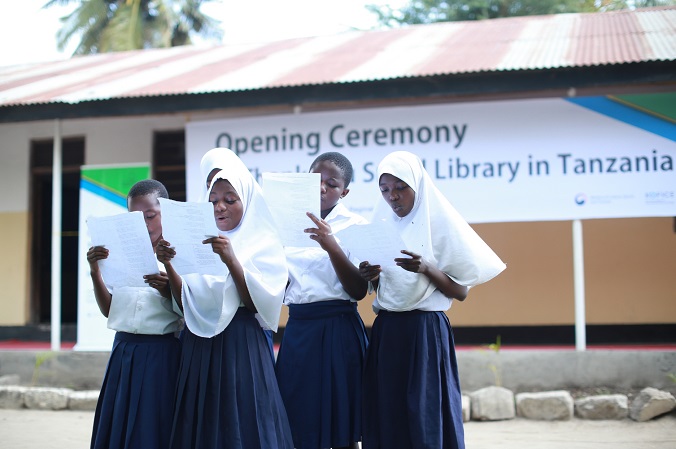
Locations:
185 225
130 254
378 243
289 197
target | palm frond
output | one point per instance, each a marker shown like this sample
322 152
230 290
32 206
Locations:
88 18
51 3
118 25
124 31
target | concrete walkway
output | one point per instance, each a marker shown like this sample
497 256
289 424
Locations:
36 429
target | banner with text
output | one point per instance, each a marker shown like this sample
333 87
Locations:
521 160
103 192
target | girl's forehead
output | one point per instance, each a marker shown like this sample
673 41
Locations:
389 177
150 198
326 163
223 186
143 202
327 166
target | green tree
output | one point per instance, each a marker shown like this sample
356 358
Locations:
614 5
118 25
430 11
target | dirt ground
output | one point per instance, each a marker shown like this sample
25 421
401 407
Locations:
33 429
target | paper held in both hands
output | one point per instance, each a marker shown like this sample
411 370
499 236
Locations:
130 254
378 243
185 225
289 197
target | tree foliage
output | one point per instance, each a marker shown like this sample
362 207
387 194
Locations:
430 11
615 5
119 25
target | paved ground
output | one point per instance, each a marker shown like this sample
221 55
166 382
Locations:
33 429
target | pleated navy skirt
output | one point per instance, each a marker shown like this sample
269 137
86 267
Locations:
227 395
412 396
319 370
137 395
271 344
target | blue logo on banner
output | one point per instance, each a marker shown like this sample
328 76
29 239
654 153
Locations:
580 199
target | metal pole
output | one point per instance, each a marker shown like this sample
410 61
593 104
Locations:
578 273
56 238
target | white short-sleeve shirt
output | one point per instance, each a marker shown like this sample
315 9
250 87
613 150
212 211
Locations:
312 277
142 310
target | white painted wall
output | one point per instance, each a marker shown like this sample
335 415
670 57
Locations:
121 140
114 140
14 167
107 141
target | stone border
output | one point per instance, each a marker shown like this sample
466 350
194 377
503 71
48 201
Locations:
47 398
498 403
487 404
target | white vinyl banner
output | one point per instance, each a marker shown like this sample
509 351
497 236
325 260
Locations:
103 192
522 160
92 332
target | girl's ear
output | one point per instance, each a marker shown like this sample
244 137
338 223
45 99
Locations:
345 192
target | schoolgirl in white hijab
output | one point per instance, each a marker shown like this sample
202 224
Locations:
412 393
212 162
227 392
258 249
434 230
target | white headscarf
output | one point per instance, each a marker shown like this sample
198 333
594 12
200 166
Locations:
216 158
433 229
210 302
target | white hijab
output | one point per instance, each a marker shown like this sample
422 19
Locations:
433 229
210 302
216 158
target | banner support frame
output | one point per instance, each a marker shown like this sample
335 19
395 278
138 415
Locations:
578 274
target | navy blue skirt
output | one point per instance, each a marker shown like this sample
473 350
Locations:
319 370
271 344
137 395
227 395
412 396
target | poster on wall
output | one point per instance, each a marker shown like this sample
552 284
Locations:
103 192
498 161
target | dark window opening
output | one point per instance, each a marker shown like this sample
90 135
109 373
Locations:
41 157
169 162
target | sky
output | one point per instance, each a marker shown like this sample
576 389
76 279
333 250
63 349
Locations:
27 32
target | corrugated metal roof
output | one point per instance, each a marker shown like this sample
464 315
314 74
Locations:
519 43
